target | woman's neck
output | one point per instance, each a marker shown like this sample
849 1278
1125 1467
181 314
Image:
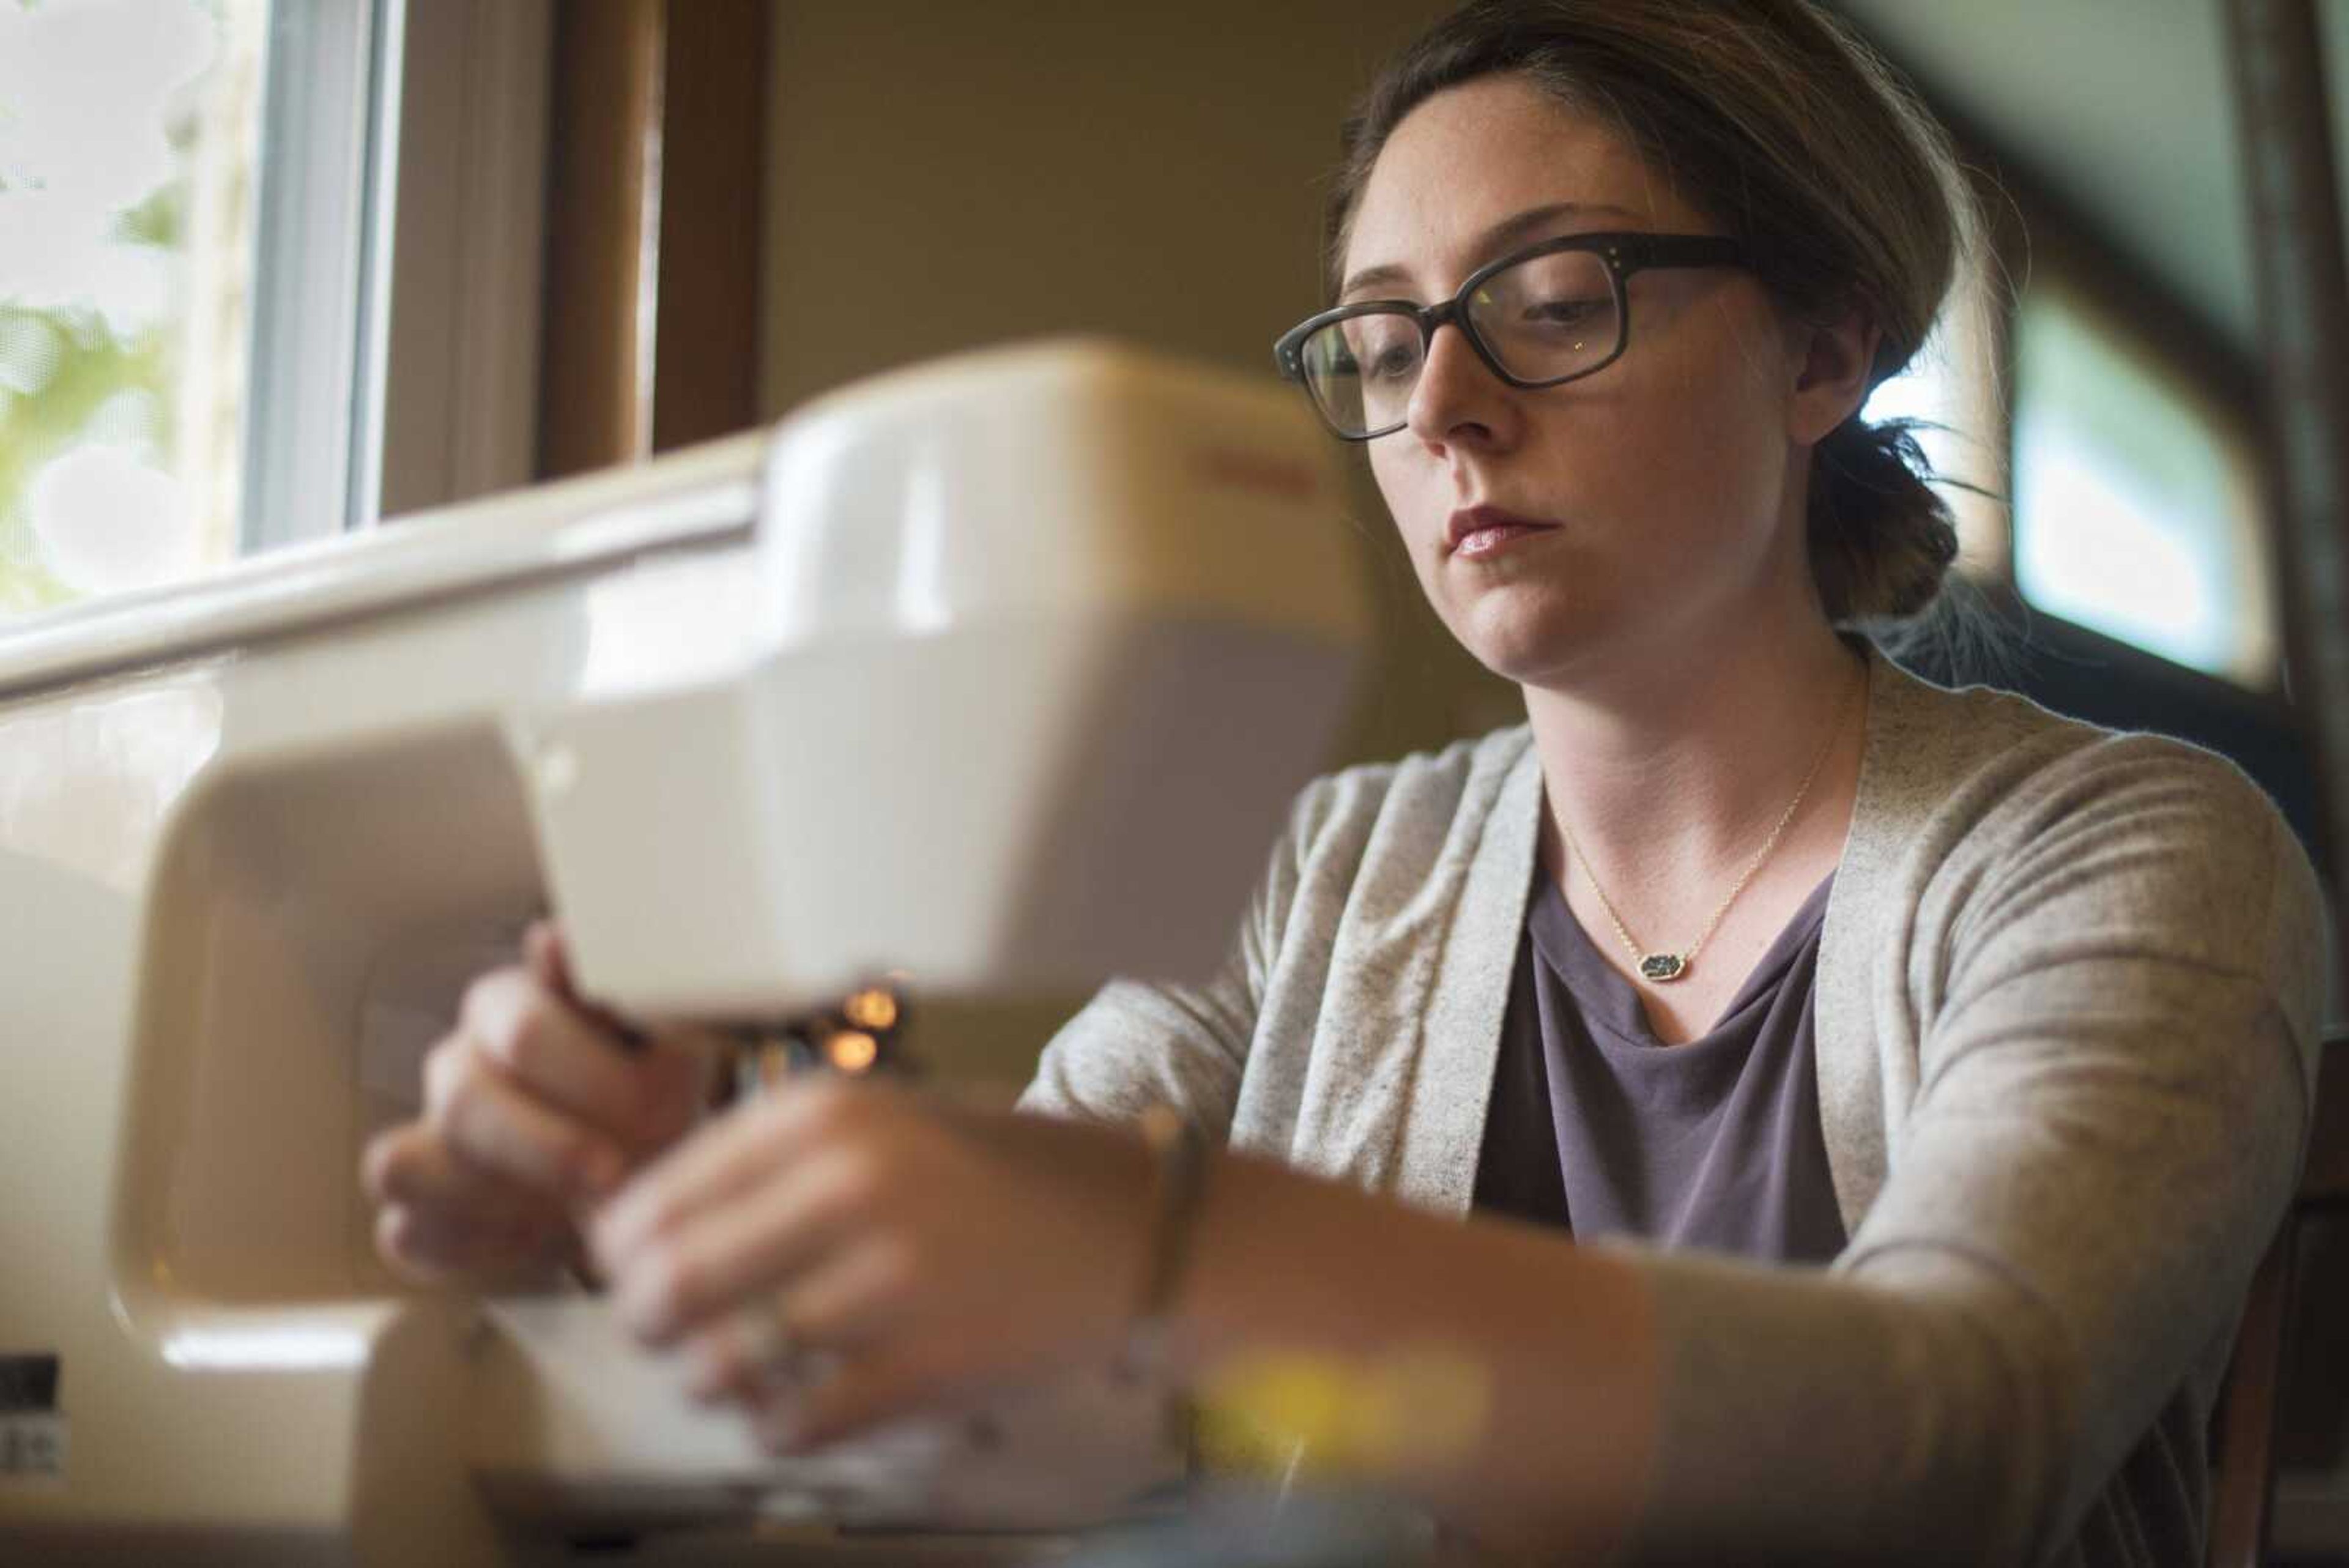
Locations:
1669 776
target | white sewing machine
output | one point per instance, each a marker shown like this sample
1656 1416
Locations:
998 672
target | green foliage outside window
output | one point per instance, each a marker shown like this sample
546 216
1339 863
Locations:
87 366
75 368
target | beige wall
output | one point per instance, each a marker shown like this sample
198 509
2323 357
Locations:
944 173
949 173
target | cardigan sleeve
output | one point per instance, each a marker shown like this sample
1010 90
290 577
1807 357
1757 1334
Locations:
1139 1044
2115 986
1135 1046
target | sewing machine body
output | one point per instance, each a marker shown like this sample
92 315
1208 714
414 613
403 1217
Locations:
998 673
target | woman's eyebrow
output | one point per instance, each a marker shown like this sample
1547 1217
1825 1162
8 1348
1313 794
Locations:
1500 236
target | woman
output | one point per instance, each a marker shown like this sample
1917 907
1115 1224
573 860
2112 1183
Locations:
1918 1147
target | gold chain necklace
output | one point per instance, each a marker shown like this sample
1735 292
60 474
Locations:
1664 967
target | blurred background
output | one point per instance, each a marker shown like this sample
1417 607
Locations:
272 270
277 268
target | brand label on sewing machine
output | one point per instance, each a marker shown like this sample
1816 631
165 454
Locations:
32 1449
32 1432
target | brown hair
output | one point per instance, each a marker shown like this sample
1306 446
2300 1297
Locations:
1774 119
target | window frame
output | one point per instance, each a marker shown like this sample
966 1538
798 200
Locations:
461 249
322 83
394 349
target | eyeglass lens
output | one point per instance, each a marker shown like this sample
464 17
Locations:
1548 317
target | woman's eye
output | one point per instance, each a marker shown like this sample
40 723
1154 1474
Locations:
1395 362
1566 312
1386 353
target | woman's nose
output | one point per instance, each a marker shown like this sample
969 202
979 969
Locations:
1457 397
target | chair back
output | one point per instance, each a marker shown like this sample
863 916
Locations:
2242 1491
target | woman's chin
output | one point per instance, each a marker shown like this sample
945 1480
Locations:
1528 643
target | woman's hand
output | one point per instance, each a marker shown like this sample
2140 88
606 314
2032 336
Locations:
838 1254
535 1107
842 1254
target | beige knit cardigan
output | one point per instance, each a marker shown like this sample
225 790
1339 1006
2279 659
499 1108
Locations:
2068 1005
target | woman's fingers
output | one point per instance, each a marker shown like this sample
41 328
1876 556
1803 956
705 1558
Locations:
913 1375
735 1357
729 1160
535 1105
861 1295
679 1279
410 1166
547 958
495 1125
857 1295
545 1045
439 1245
922 1257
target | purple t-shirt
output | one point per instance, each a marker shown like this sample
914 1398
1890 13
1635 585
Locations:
1598 1126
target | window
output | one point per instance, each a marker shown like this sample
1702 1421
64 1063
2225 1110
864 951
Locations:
2137 509
126 174
2123 496
199 283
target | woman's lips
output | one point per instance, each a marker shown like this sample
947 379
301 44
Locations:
1477 532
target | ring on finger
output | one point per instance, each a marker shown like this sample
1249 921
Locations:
764 1340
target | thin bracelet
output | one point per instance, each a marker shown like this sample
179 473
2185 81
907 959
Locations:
1178 1151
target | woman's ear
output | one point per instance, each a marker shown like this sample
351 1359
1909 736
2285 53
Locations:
1833 360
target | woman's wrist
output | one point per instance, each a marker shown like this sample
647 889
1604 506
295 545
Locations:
1503 1378
1178 1160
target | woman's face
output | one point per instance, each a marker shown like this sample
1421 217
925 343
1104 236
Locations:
1659 485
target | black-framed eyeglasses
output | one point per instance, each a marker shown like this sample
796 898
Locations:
1542 317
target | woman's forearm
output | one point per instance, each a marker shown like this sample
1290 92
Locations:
1555 1345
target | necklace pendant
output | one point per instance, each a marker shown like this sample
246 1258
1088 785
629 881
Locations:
1663 967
